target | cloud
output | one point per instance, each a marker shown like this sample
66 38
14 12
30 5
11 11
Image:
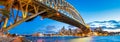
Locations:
111 30
111 24
71 27
48 29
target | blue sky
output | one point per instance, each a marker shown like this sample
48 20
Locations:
90 10
97 10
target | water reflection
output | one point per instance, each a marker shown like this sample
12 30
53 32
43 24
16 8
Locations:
86 39
60 39
41 40
51 39
76 39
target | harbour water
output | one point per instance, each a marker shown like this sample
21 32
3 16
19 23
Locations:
76 39
52 39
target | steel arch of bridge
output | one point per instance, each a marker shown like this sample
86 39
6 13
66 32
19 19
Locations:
32 8
64 7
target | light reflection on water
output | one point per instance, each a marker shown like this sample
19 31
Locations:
77 39
52 39
98 39
86 39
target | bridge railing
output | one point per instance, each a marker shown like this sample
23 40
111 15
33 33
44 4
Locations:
64 7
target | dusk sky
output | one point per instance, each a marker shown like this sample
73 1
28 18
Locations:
90 10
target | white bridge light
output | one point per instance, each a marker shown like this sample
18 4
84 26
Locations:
40 0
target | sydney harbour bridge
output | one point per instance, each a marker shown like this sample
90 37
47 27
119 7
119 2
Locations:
14 12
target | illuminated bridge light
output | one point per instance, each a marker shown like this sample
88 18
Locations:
58 14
